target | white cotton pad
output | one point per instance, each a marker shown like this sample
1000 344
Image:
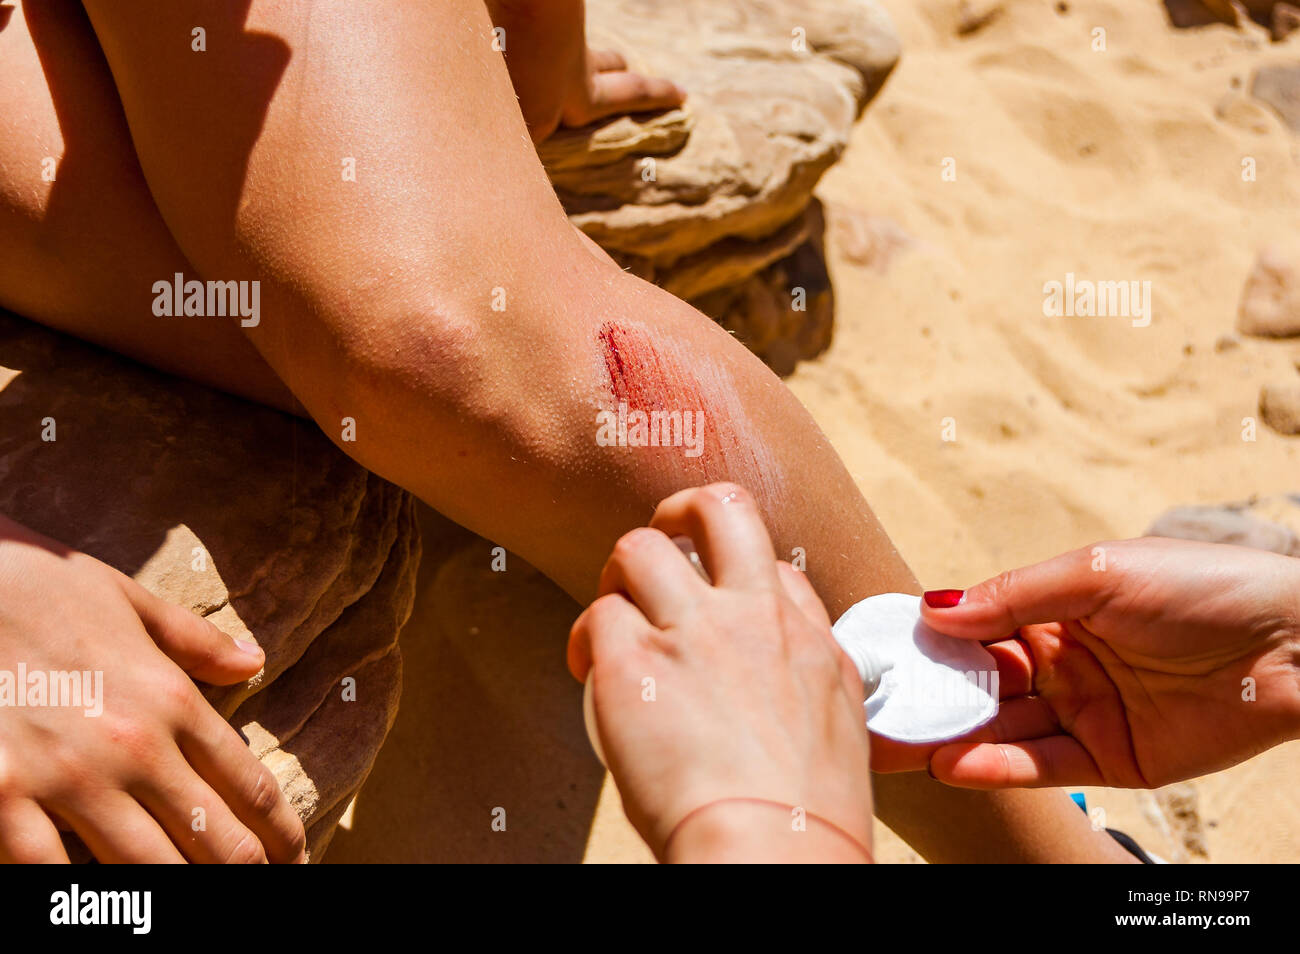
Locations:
931 687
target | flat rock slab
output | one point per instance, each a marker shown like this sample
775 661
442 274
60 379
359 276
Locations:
1270 300
1279 406
1275 14
714 201
1267 523
245 515
1279 86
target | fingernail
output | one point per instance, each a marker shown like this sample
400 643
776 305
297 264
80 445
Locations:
251 648
943 599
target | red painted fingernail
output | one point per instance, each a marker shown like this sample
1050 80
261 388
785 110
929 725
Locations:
943 599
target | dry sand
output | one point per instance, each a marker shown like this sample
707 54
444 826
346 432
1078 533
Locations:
1116 165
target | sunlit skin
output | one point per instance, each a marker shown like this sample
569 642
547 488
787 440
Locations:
377 298
753 700
1137 663
132 779
1130 663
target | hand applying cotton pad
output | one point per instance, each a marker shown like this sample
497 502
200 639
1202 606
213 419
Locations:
588 702
922 686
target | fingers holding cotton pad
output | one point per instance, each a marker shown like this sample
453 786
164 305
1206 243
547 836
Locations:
928 687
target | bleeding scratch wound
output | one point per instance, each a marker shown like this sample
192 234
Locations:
637 375
661 396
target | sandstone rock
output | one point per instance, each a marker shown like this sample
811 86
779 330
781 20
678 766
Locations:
783 313
868 240
1278 85
973 16
1238 108
1280 509
1263 12
1270 523
1270 301
1279 406
242 514
1195 13
1286 20
1180 805
1280 17
1259 9
712 201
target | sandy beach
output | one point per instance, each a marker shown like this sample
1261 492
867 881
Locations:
985 433
1109 165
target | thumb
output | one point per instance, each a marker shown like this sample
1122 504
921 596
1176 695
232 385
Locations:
196 645
1062 588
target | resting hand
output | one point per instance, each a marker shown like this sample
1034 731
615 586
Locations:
134 779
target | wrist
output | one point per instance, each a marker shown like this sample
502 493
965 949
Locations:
748 830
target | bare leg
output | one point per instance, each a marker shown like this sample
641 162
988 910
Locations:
378 302
80 251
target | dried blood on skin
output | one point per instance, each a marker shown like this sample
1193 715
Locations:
638 377
645 378
642 377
